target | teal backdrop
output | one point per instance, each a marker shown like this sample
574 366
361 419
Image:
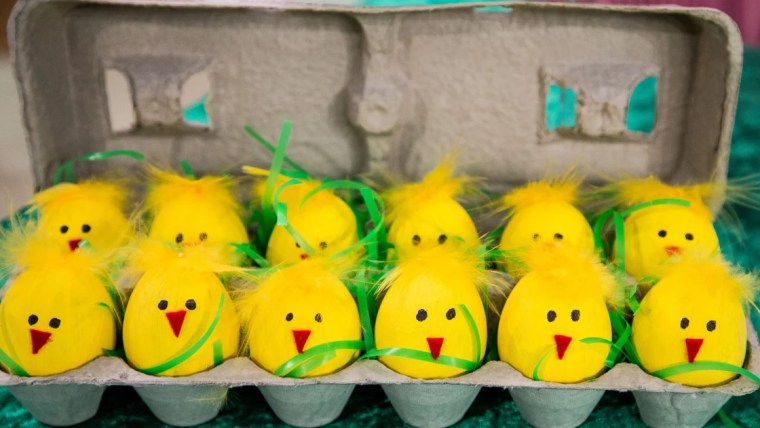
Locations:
368 406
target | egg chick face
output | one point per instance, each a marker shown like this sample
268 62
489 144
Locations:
682 320
328 228
294 312
544 317
442 221
654 235
424 313
102 224
548 222
53 320
190 221
169 311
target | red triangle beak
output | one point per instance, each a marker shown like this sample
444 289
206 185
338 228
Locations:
672 251
435 344
39 339
692 348
562 343
176 319
304 256
301 336
74 244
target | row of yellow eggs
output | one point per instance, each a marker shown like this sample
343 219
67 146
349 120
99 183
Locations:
431 322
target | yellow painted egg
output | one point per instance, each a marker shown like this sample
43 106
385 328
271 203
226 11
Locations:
298 308
91 210
180 320
561 301
694 313
423 310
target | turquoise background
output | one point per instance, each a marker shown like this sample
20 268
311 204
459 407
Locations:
368 406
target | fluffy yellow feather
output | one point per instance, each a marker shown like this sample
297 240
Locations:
179 307
542 212
421 310
58 313
91 210
696 312
561 299
295 309
191 211
426 214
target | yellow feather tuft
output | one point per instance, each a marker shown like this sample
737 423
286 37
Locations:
714 271
438 184
64 193
167 187
636 191
563 189
577 269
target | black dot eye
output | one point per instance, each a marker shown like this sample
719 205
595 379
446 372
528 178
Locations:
298 245
536 236
662 233
711 325
575 315
54 323
551 316
289 316
442 239
421 315
416 240
203 236
33 319
689 237
179 238
86 228
684 323
322 245
64 229
558 236
451 313
162 305
190 304
318 317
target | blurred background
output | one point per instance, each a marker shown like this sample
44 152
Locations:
15 173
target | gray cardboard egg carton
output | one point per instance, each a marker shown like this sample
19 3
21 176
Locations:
371 89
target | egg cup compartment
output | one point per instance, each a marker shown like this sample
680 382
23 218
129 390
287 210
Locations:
431 404
544 407
183 405
307 405
61 404
667 409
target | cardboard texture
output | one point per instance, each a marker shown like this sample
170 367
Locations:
372 89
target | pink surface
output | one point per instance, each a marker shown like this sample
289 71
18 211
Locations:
746 13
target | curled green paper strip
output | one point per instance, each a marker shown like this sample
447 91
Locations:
187 169
13 366
218 353
261 140
279 157
66 171
541 362
251 253
189 352
585 340
704 365
362 300
315 357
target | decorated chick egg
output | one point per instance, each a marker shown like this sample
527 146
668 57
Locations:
542 212
299 310
324 221
90 210
561 300
58 314
426 214
694 313
189 211
180 320
434 307
656 233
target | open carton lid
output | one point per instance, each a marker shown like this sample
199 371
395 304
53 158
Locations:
519 89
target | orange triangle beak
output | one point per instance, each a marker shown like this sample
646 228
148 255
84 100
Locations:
692 348
672 251
176 319
39 339
301 336
562 343
74 244
435 344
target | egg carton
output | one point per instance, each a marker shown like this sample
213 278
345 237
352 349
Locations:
373 89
